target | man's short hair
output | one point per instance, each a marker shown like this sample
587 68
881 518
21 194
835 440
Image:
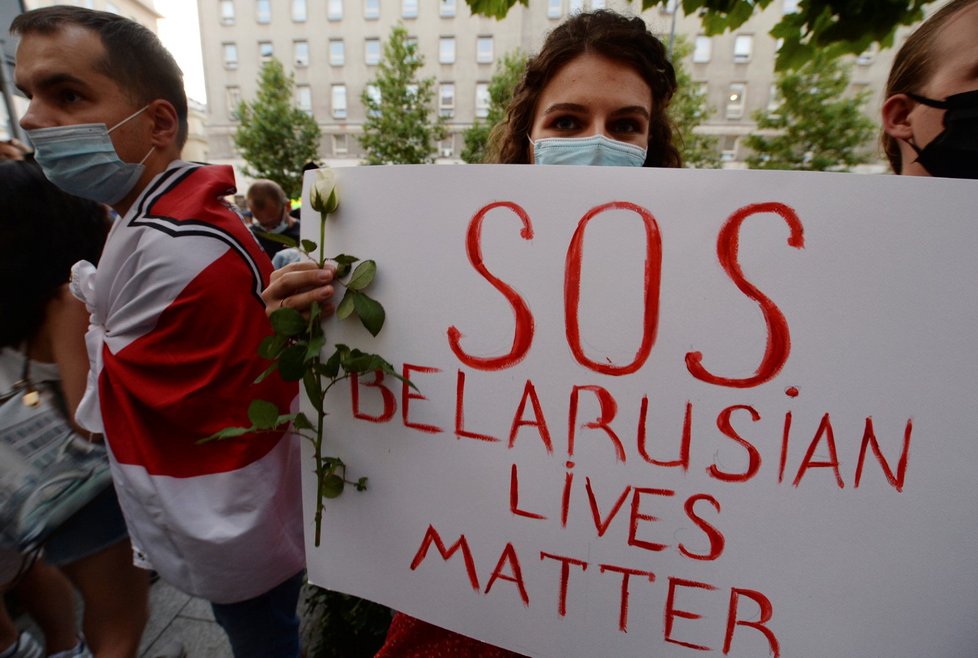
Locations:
134 57
264 193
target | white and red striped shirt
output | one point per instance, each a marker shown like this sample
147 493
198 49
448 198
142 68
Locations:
173 343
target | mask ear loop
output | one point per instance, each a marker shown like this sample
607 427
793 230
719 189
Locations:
131 116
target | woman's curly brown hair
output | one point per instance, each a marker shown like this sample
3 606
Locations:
620 38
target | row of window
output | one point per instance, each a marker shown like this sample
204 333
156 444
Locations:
371 9
744 48
484 51
338 99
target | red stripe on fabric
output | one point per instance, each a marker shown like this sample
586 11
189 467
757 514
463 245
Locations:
191 376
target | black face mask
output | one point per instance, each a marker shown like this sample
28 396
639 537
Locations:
954 152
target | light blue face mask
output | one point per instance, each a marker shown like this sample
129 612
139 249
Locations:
81 160
594 150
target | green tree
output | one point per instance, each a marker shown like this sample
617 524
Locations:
399 128
507 74
841 26
689 109
275 137
816 126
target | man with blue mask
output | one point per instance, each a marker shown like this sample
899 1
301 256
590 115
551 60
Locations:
269 208
176 320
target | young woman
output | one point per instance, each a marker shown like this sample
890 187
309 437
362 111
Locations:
596 94
930 116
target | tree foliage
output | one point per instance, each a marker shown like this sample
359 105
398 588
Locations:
275 137
689 109
816 125
399 128
839 26
505 78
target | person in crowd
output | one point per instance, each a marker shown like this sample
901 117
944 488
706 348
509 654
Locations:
43 232
930 115
269 207
176 321
597 94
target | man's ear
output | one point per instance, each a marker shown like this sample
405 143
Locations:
896 116
166 124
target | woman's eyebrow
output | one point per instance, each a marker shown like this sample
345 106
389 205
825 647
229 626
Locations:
564 107
632 109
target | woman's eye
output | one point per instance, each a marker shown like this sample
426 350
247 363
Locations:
564 123
626 126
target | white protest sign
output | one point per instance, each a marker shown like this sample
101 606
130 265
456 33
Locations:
662 412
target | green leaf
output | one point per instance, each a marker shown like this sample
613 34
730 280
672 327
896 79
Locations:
332 485
291 363
270 346
269 370
343 263
315 346
301 422
226 433
332 366
278 237
314 389
263 414
346 306
288 322
309 246
370 312
362 276
361 484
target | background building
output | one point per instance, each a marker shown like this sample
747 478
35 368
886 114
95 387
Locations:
332 47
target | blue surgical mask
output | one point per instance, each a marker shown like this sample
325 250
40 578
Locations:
593 150
81 160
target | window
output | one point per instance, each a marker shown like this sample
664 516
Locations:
575 6
371 52
483 50
340 145
736 98
299 11
555 8
703 49
773 99
446 50
334 10
373 93
230 56
265 51
300 50
338 97
263 11
409 8
446 147
446 99
232 97
597 4
482 99
743 45
446 8
227 12
337 53
303 98
371 9
789 6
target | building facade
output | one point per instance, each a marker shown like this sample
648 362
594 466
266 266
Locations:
332 47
